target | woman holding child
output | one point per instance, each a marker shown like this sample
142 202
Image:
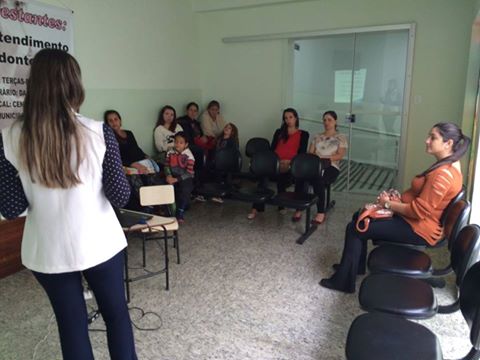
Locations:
165 130
417 213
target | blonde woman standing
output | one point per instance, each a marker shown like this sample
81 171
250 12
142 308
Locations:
65 169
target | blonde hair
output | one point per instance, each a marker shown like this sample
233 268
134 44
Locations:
50 133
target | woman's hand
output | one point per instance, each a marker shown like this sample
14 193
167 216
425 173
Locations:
141 169
383 198
284 166
171 180
203 139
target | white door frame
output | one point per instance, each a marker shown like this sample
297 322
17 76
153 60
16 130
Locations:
287 64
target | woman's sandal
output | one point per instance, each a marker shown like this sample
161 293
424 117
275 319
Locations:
296 218
251 216
316 222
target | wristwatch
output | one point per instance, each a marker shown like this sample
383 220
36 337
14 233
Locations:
387 205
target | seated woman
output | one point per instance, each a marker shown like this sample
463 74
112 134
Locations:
193 129
165 130
287 142
133 157
130 152
228 140
416 218
212 122
329 146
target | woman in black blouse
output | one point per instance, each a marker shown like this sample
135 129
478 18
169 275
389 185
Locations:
133 156
130 152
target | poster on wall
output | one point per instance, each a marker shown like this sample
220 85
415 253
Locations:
27 27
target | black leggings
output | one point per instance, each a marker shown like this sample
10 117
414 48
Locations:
354 254
329 176
65 292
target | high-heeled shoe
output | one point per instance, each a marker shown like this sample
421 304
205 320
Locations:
296 217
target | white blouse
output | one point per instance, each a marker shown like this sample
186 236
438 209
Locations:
329 145
68 229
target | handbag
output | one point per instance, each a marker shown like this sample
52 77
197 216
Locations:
371 212
375 211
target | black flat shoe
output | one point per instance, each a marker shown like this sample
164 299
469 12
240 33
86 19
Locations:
330 284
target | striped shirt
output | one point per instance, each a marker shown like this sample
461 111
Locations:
428 197
180 165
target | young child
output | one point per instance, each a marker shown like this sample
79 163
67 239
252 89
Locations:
228 139
179 171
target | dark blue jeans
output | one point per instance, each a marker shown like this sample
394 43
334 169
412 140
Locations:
65 292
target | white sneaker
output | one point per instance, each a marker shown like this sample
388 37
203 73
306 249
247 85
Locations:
217 200
200 198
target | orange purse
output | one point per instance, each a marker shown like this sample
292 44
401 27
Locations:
369 212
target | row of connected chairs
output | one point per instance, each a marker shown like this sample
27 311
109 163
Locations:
257 145
381 335
264 165
399 289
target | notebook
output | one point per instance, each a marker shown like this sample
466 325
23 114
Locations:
128 218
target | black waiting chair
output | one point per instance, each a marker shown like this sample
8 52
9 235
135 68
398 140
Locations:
414 298
304 167
415 263
256 145
252 147
377 336
263 166
227 162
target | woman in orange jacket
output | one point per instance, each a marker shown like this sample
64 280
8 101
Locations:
417 213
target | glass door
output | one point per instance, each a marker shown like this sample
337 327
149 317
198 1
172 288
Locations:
361 76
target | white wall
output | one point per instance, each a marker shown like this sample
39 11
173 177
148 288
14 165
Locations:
248 77
136 56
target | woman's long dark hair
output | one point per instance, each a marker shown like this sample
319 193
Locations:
450 131
161 121
284 127
51 134
234 134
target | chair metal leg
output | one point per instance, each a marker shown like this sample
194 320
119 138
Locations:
127 279
309 229
175 234
144 256
167 287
